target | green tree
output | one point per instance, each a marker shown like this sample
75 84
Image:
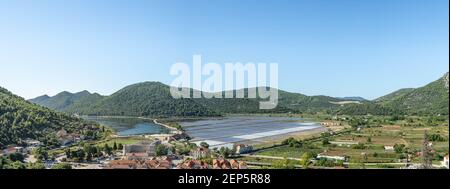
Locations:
68 153
37 165
204 145
62 166
225 152
115 146
283 164
306 159
107 149
399 148
161 150
16 157
41 153
16 165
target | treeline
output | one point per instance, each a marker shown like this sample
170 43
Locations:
368 109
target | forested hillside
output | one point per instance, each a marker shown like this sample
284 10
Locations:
20 119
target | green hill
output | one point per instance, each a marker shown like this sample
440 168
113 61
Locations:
65 101
353 98
20 119
367 108
40 99
239 105
303 103
144 99
431 99
394 95
154 99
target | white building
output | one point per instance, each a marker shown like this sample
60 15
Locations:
200 153
389 148
134 150
445 162
242 149
32 143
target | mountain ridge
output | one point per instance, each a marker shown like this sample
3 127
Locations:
138 100
125 100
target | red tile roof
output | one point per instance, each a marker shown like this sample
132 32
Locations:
193 164
133 164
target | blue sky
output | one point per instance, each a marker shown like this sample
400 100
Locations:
323 47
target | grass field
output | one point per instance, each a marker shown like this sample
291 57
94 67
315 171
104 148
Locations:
372 142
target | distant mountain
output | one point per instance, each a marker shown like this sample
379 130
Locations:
65 101
238 105
40 99
154 99
429 99
353 98
143 99
20 119
304 103
393 95
287 102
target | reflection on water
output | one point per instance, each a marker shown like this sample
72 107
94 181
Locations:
129 126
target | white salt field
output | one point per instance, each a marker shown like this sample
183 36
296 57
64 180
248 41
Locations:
236 129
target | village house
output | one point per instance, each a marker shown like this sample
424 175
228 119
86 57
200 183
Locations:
137 156
136 164
181 136
330 124
157 164
200 153
122 164
445 162
64 138
232 164
243 149
193 164
8 151
221 164
14 149
140 151
243 165
389 148
164 138
32 143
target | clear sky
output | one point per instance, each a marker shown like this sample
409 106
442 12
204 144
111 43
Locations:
324 47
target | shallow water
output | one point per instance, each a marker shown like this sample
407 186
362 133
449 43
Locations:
235 129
